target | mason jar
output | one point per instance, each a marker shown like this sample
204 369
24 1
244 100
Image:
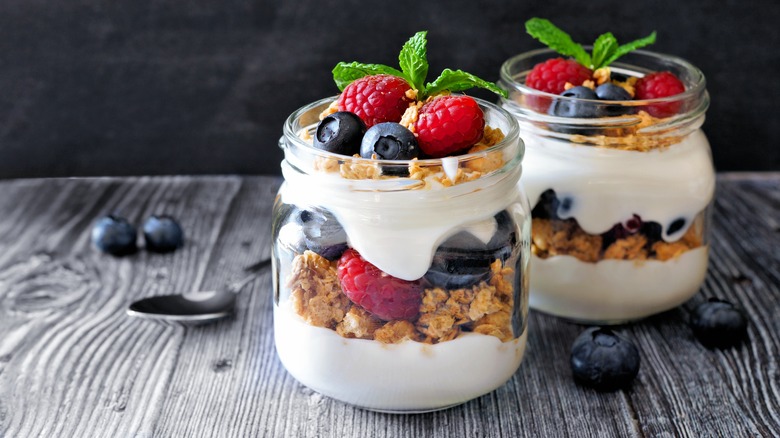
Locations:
620 202
439 251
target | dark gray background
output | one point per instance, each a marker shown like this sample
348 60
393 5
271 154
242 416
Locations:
129 87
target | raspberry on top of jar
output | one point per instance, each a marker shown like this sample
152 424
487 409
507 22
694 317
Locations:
621 103
385 114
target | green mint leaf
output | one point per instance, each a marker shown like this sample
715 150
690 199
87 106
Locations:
458 80
604 48
344 73
633 45
556 39
413 60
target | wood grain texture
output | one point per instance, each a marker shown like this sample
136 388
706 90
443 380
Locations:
73 364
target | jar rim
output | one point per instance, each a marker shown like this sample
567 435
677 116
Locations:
510 137
693 90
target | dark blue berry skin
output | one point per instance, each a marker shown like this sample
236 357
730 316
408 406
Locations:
676 226
575 108
316 230
718 324
609 91
603 360
162 234
389 141
114 235
340 133
463 260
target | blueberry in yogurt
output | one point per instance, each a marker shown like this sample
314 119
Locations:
314 229
464 259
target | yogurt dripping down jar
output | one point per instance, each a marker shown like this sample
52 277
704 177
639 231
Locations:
454 231
620 200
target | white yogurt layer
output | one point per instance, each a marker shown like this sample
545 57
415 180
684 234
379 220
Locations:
398 231
409 376
613 291
608 186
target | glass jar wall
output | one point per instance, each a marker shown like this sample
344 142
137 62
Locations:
401 286
620 199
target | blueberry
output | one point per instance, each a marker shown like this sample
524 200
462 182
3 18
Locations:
389 141
718 324
321 232
573 107
162 234
114 235
675 226
610 91
463 260
340 133
547 206
603 360
613 92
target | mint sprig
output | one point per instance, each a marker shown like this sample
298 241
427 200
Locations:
413 61
605 50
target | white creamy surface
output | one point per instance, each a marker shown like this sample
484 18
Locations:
615 290
399 231
409 376
608 186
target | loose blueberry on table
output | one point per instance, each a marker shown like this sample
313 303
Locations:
603 360
114 235
718 324
162 234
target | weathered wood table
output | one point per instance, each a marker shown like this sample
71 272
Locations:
73 364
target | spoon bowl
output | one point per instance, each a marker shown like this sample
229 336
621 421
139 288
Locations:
194 308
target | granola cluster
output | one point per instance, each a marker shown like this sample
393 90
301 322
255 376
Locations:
551 237
485 308
358 168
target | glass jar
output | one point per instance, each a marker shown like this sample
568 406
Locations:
621 201
439 250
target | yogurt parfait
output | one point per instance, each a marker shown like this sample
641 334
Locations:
401 240
618 173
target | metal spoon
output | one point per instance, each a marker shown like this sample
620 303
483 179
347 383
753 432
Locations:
195 308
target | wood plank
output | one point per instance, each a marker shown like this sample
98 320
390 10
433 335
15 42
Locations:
76 362
72 364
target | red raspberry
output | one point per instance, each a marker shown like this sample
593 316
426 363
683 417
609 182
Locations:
657 85
448 125
386 297
376 99
551 76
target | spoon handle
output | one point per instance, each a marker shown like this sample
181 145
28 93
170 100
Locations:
251 271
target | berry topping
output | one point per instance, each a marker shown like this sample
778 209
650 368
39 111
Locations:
612 92
114 235
603 360
575 108
162 234
658 85
340 133
609 91
552 75
463 260
389 141
718 324
448 125
386 297
605 50
376 99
